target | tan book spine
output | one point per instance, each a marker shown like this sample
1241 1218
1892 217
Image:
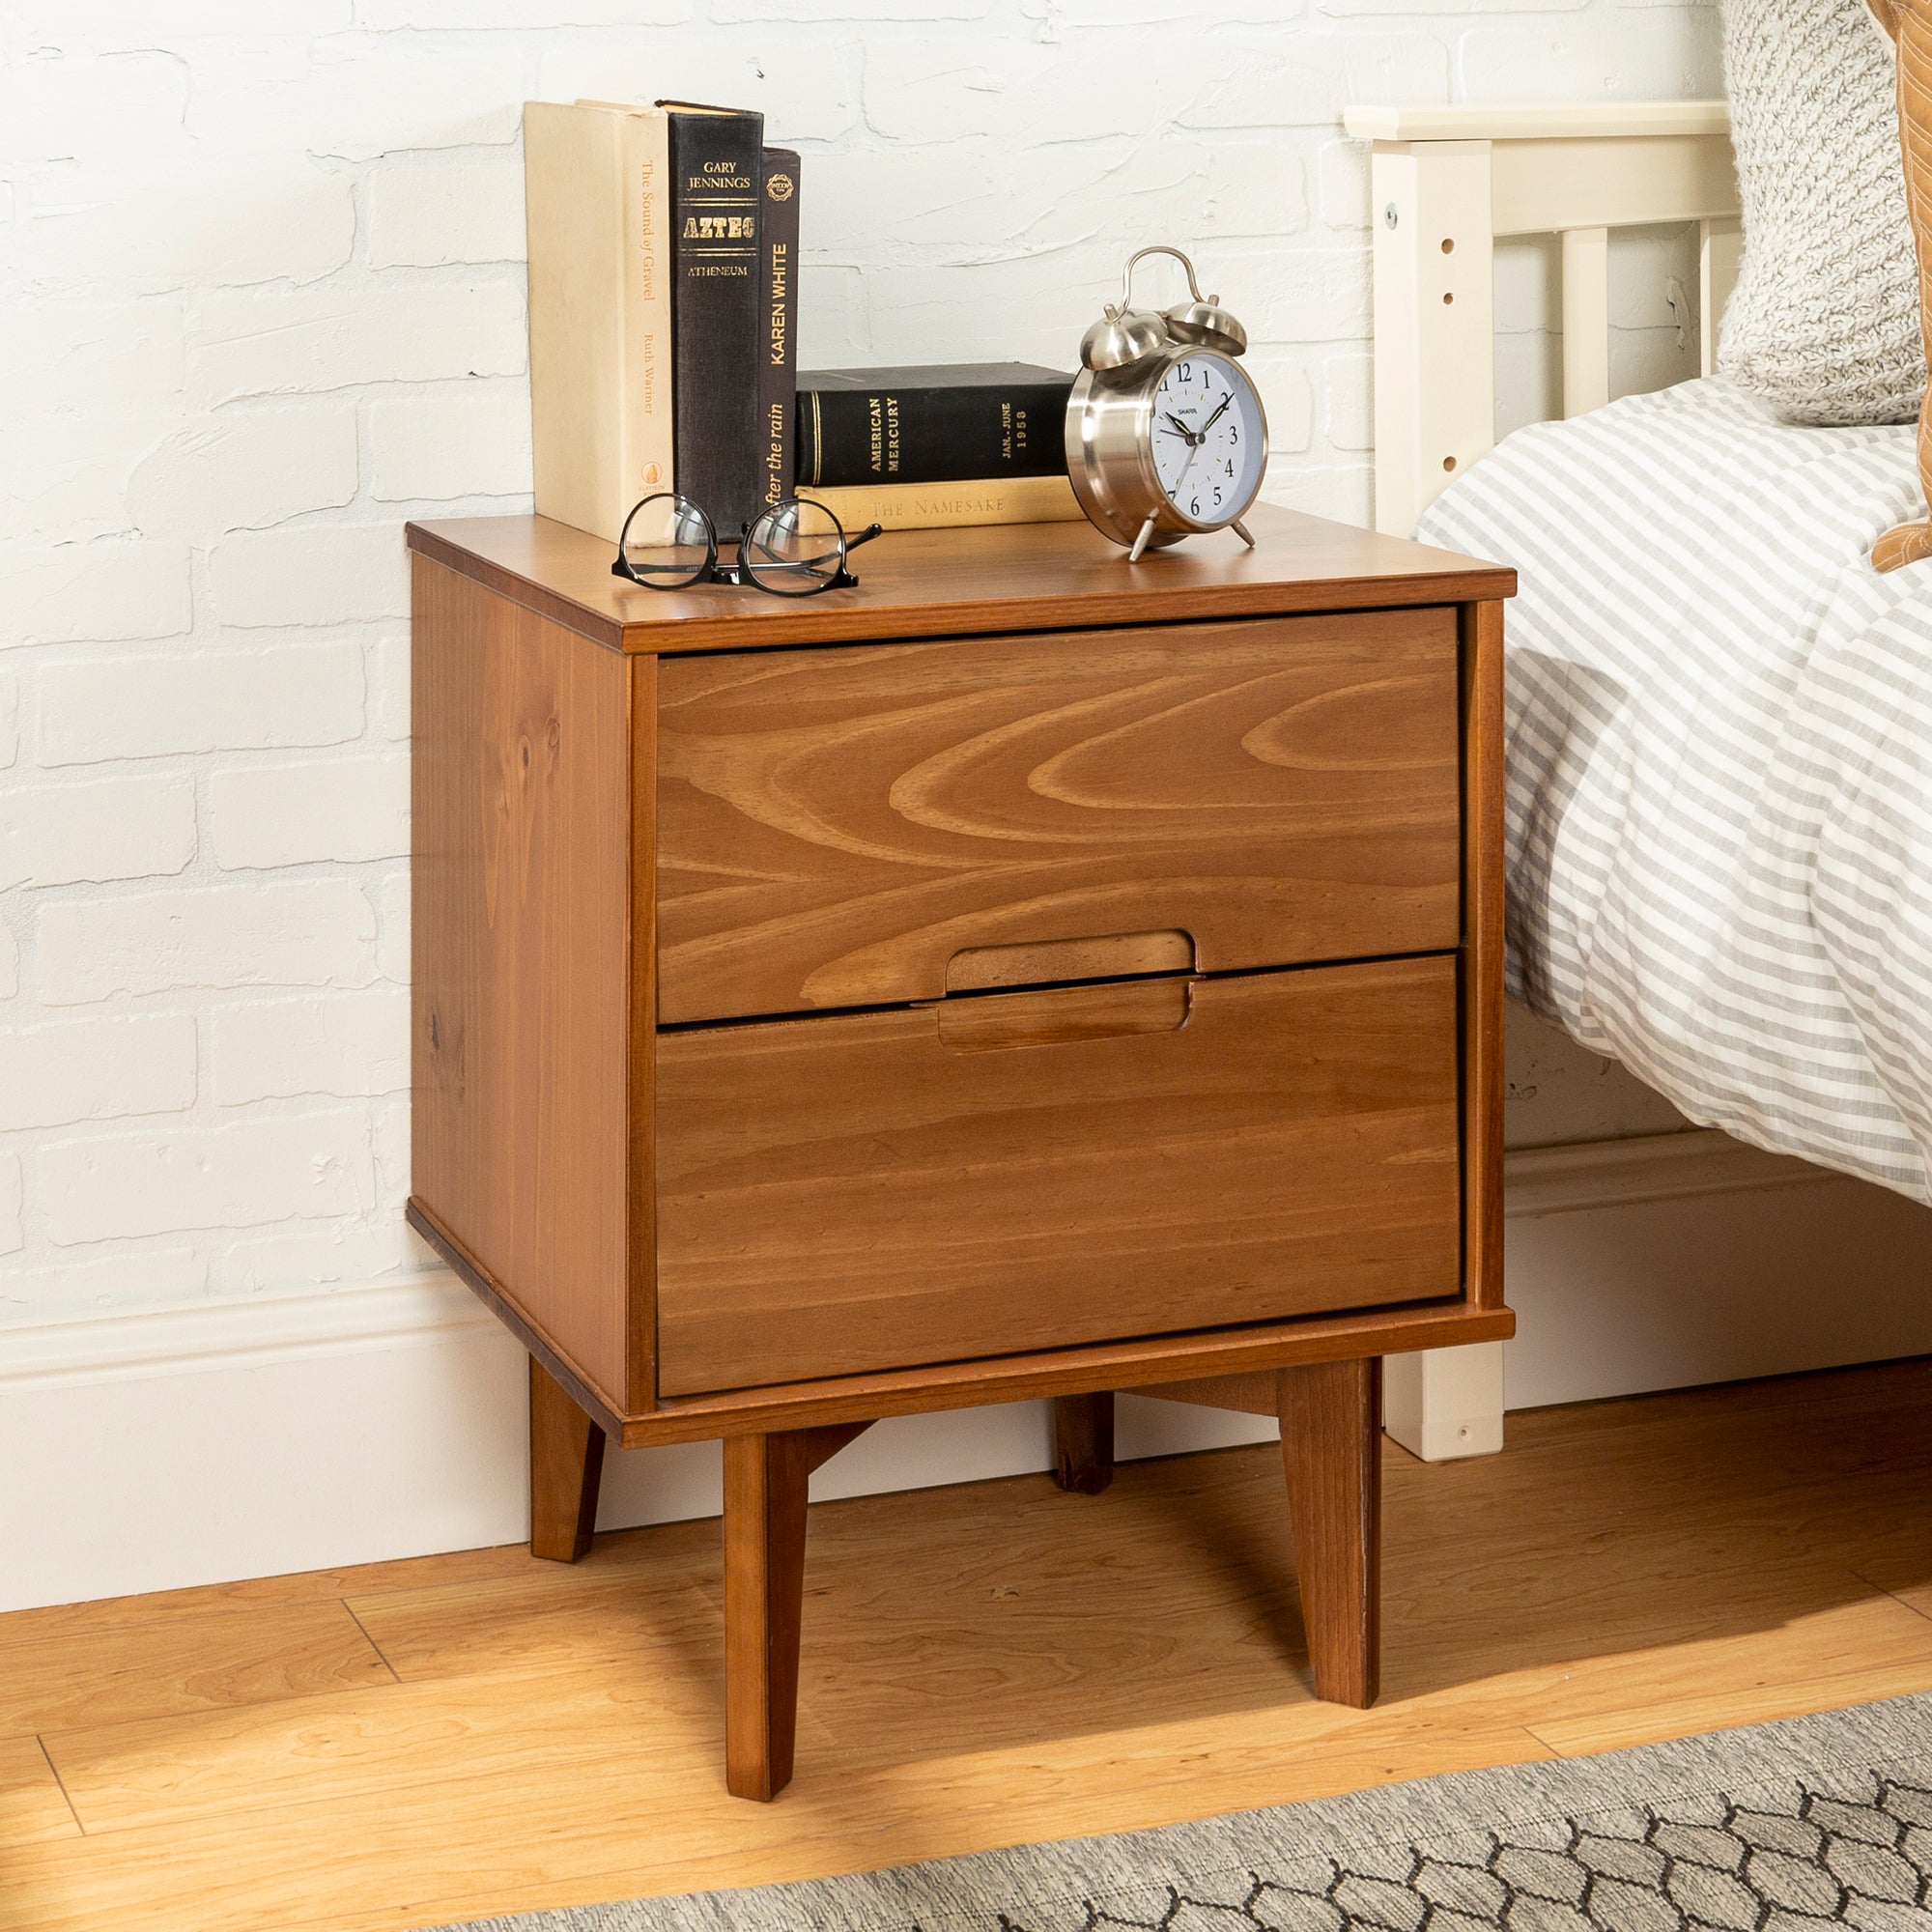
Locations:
933 506
648 374
595 182
572 213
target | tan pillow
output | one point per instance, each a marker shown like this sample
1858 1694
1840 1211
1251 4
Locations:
1908 26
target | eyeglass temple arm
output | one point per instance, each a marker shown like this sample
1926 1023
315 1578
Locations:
865 535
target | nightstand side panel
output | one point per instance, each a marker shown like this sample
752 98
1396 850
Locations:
1481 963
521 942
641 1073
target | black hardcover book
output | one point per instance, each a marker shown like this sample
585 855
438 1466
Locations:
778 362
951 424
717 312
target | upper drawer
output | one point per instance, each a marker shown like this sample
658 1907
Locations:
836 825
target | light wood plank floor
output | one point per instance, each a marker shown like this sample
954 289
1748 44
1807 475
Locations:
412 1743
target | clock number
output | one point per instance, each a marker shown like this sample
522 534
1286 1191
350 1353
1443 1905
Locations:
1185 367
1234 432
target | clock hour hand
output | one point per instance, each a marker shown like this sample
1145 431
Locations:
1180 428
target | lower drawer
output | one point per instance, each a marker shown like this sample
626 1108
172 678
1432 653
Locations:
1022 1171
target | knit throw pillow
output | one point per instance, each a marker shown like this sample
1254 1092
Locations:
1824 322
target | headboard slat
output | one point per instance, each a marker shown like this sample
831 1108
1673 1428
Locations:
1466 176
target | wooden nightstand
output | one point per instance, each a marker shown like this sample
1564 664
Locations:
1024 974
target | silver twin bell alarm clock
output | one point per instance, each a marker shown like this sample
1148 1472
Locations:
1165 434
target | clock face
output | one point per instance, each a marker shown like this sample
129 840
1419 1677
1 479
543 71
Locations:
1210 445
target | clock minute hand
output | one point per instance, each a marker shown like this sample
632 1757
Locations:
1219 414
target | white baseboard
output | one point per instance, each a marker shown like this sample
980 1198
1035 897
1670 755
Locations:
202 1444
1675 1260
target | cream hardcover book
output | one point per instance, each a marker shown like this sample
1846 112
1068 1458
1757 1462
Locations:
596 187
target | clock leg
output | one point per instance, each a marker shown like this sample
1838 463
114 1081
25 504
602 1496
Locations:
1331 1453
566 1467
1141 541
1240 530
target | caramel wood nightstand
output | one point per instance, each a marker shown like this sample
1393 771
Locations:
1024 974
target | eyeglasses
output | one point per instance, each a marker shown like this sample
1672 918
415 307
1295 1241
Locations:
794 549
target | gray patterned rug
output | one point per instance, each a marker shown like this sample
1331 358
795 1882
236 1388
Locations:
1809 1822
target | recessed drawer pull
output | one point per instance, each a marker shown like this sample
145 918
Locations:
1064 1015
1054 962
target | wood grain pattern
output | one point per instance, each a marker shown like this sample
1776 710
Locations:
640 1074
835 826
640 1606
1083 1442
1063 1016
497 1297
765 1600
1263 1346
844 1194
566 1471
520 1002
32 1808
765 1495
954 582
1332 1442
1481 955
1645 1569
369 1745
1255 1394
158 1666
1212 1351
1055 962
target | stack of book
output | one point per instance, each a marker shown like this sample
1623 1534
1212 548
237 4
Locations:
913 448
664 312
663 269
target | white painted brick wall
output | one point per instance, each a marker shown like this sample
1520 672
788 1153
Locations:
261 298
13 1237
51 1076
342 1044
103 708
348 808
65 834
308 933
293 1166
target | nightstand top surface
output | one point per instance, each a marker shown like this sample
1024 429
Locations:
951 583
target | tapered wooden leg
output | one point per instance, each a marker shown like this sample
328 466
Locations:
1083 1434
566 1467
765 1483
1331 1450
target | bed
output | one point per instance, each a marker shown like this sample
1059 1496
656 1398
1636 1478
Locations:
1719 730
1718 802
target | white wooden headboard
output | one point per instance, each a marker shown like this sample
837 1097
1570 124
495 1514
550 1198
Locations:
1446 183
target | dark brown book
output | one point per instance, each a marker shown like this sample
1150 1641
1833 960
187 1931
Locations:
777 367
717 313
965 422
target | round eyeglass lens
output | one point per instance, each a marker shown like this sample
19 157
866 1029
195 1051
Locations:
793 549
668 542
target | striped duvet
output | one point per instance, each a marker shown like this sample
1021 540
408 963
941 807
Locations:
1720 763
